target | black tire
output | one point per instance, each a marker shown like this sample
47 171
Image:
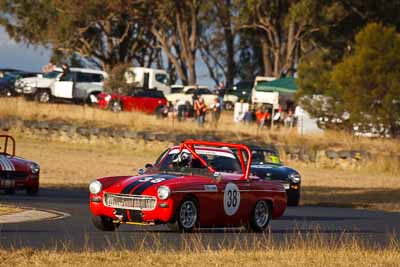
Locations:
228 105
9 191
103 223
260 217
293 199
32 191
89 99
116 106
43 96
187 215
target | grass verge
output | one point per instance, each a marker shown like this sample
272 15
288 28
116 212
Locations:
298 252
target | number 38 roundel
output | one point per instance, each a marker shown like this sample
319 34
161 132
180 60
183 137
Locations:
231 199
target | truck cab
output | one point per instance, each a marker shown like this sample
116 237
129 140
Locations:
148 78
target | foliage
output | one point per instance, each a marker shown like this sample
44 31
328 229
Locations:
116 82
365 84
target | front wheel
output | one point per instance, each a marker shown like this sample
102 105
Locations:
187 215
32 191
103 223
260 217
43 96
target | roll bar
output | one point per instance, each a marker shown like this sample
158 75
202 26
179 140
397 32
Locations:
189 145
8 139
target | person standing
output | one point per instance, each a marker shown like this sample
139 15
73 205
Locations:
201 110
221 93
215 112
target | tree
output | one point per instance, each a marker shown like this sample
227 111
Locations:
281 25
217 43
107 33
175 25
368 82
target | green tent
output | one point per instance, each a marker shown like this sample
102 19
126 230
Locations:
283 85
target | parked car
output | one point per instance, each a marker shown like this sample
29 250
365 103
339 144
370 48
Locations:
196 184
7 84
187 93
267 165
16 173
138 99
8 78
80 85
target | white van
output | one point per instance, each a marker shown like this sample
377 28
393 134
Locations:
262 97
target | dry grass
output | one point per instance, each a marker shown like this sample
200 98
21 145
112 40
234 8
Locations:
139 121
299 252
7 209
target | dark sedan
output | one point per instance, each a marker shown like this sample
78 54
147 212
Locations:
267 165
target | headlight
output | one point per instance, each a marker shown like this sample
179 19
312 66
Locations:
295 177
95 187
163 192
35 168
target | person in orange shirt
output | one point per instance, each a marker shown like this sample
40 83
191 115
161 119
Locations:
262 116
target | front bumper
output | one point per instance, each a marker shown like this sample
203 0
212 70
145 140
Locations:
18 180
163 211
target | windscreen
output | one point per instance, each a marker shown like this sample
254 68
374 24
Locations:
221 161
265 157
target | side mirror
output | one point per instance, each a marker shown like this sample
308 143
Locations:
141 171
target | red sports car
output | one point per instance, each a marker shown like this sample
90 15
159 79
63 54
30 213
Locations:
145 100
16 173
196 184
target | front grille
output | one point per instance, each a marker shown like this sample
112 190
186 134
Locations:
130 202
15 175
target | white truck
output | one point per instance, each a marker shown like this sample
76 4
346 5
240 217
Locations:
148 78
187 92
262 97
78 85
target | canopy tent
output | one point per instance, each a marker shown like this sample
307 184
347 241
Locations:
283 85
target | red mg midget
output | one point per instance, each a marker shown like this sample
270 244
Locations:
16 173
196 184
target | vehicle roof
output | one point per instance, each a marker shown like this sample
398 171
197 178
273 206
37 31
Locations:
83 70
185 88
219 151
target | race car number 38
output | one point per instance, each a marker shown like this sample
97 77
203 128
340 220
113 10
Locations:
231 199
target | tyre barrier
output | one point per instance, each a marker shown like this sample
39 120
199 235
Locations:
301 153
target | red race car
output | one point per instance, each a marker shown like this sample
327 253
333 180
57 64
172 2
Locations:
196 184
16 173
145 100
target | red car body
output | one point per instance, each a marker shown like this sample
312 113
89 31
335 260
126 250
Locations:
147 101
220 199
16 173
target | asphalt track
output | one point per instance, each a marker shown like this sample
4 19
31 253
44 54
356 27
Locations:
373 228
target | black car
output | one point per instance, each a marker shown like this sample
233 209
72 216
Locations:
8 78
267 165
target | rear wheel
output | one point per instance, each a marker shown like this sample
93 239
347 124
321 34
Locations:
260 216
228 105
92 99
103 223
115 106
187 215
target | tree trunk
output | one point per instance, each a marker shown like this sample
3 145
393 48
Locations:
266 55
231 67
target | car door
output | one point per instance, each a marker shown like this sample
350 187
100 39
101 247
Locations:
233 201
64 86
